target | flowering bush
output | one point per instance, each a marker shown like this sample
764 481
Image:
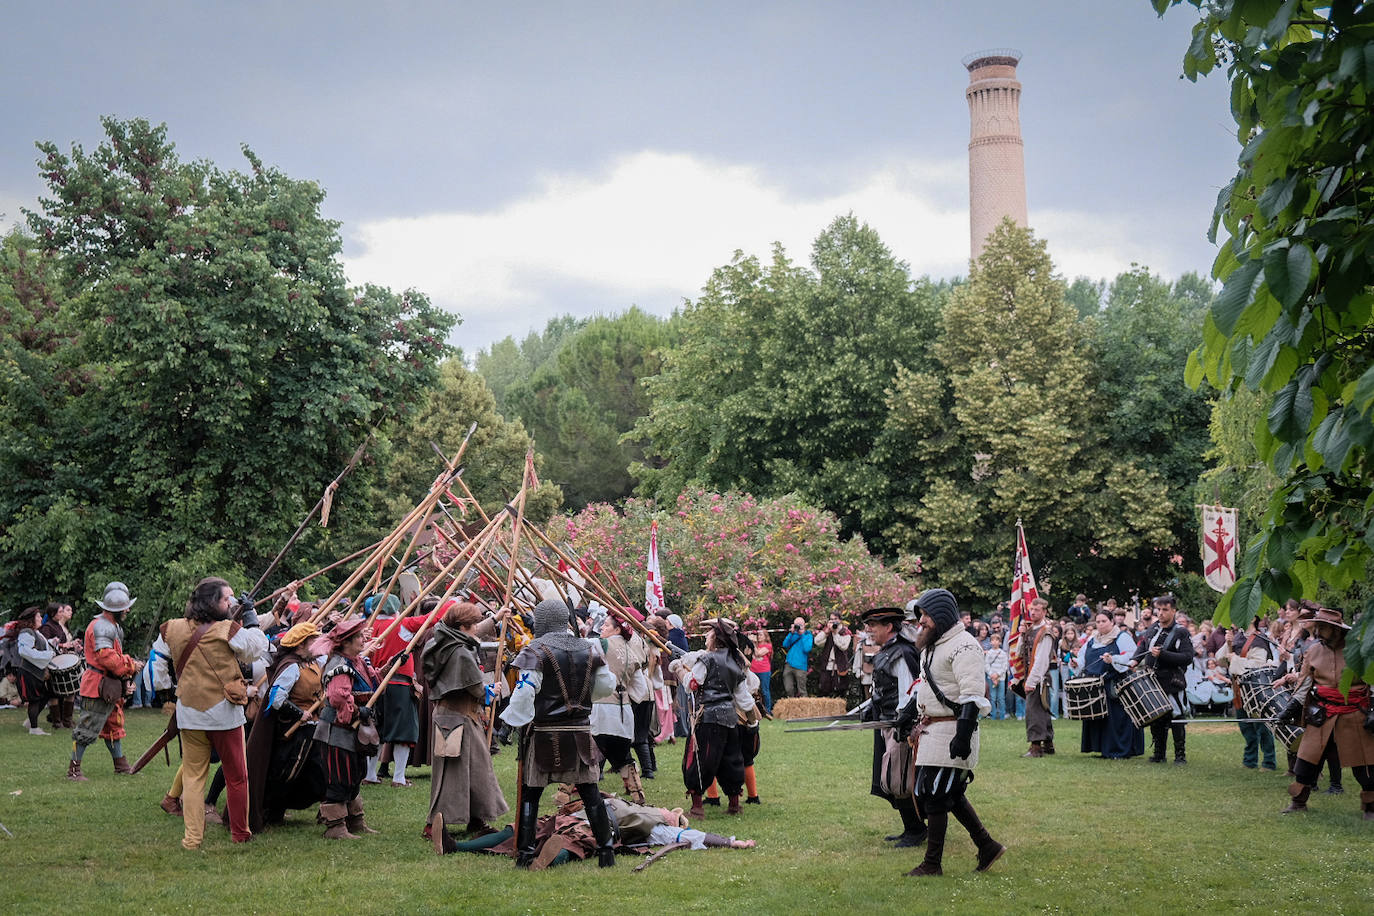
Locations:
735 555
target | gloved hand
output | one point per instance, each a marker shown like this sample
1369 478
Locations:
961 745
1291 713
504 732
247 615
366 714
906 720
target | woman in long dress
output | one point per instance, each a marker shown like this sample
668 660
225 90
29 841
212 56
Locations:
1107 654
463 787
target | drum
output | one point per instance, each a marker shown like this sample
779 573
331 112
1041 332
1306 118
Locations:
1142 696
1269 701
1085 698
1249 685
64 675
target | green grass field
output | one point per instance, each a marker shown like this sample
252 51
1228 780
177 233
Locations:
1084 835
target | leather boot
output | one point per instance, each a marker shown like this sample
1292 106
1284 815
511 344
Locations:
646 760
634 790
1300 793
172 805
74 772
937 822
989 850
527 822
549 851
600 820
1035 750
734 805
913 830
653 757
122 768
696 812
1048 747
1180 744
335 814
356 823
1367 802
68 710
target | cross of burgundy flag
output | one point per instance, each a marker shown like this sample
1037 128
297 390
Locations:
653 577
1023 592
1219 547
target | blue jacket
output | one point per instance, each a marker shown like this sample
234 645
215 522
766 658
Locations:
798 646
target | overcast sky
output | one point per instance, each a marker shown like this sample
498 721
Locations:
516 161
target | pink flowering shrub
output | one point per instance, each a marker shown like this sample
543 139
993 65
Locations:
734 555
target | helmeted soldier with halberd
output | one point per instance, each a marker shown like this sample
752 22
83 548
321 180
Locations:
896 669
560 675
944 720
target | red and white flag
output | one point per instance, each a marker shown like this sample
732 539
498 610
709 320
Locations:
1023 592
1219 547
653 577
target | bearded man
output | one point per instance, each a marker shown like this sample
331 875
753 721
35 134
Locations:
944 722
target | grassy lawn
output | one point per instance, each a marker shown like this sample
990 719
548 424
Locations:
1083 835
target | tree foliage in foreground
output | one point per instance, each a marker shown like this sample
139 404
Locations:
214 369
1293 319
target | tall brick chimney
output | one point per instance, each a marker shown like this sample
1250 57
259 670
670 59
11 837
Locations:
996 167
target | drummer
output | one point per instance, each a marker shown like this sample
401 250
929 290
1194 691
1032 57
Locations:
1106 655
1167 649
1250 653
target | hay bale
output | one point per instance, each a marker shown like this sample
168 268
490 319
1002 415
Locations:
808 707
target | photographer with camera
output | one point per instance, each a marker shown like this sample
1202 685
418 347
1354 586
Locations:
798 644
835 642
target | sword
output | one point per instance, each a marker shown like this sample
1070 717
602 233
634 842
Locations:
848 715
841 727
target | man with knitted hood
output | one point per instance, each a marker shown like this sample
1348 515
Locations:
560 675
944 722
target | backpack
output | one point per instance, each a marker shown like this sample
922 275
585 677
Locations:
9 652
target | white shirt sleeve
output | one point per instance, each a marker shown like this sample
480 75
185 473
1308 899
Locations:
520 710
249 644
27 644
281 687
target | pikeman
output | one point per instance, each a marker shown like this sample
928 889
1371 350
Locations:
944 720
719 677
349 680
283 770
896 669
560 676
102 683
1327 713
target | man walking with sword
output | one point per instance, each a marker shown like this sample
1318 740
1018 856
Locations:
896 669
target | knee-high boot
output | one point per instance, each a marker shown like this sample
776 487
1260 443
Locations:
527 821
356 822
600 821
1367 803
1300 793
1180 740
644 751
989 850
937 822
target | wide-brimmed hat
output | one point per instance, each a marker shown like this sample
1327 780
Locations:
892 615
116 599
1330 616
346 630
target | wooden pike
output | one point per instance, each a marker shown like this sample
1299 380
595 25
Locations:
325 499
516 528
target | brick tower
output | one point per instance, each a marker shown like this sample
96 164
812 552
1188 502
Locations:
996 167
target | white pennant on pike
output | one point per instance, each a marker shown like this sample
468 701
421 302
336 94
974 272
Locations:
653 577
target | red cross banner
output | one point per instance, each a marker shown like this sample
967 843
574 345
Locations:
653 576
1219 547
1023 592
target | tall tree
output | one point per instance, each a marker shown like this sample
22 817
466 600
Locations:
1007 427
583 400
778 383
508 363
1293 318
237 369
1144 334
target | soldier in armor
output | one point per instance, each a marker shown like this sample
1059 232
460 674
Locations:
896 669
101 717
719 677
944 720
349 681
283 771
560 677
